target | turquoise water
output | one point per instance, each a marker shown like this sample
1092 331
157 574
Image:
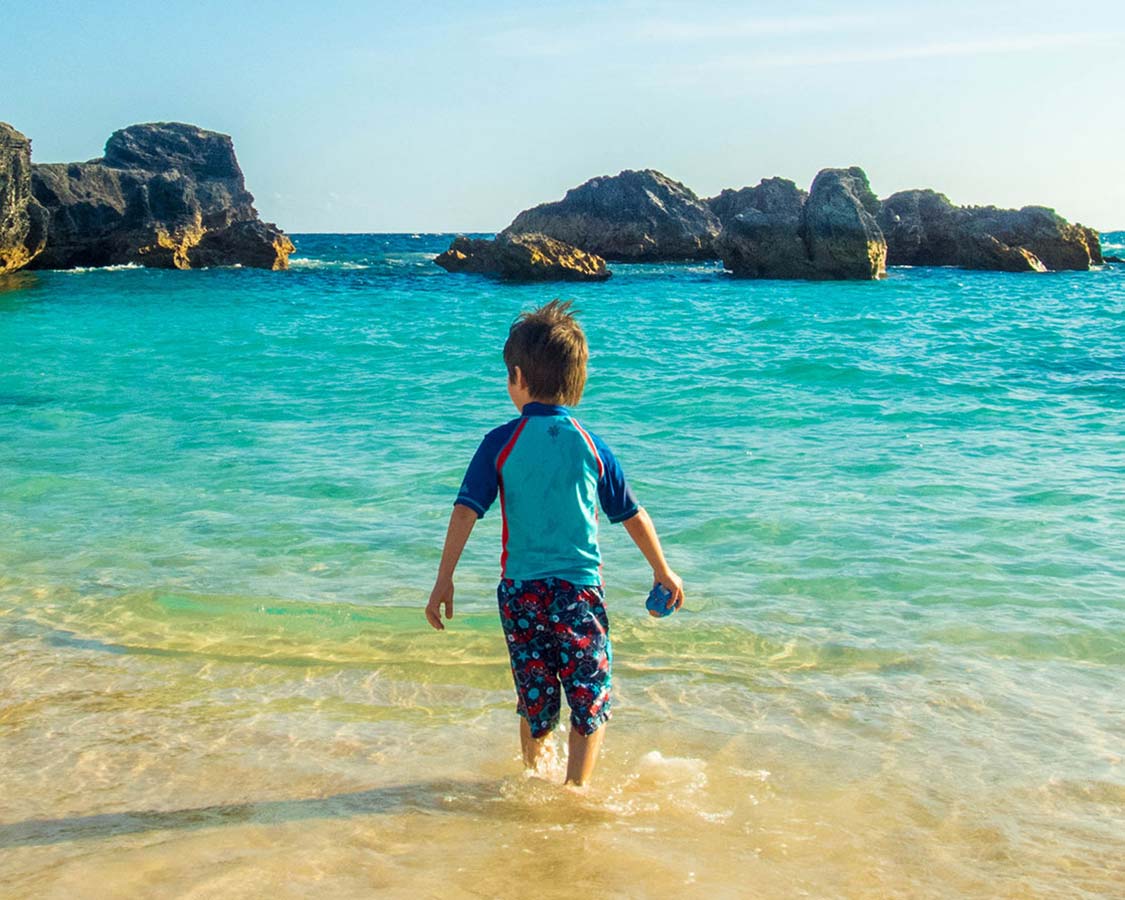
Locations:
898 508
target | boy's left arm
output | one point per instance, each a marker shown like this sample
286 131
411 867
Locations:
461 522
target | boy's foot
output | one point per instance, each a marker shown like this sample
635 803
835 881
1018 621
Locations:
532 748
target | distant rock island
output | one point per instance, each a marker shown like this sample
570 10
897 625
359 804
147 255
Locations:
839 229
164 195
634 217
523 257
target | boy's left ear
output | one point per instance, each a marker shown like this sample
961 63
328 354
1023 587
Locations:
518 380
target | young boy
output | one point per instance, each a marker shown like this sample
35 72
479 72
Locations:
551 474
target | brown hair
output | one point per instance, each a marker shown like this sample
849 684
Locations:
550 348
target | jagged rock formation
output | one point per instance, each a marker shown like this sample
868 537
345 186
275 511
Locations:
775 230
635 216
923 228
23 222
165 195
523 257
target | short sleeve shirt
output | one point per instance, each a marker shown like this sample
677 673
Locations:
551 476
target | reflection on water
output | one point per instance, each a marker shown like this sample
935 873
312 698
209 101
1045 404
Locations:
12 284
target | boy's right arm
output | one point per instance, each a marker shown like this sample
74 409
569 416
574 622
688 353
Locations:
461 522
643 533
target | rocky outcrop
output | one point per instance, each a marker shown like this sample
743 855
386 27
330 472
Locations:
1036 229
23 222
635 216
523 257
763 230
844 239
775 230
165 195
923 228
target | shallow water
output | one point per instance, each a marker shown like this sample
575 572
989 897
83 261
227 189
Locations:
898 507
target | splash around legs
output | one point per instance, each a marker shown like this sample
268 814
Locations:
582 753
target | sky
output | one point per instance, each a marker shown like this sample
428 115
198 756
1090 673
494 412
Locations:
454 116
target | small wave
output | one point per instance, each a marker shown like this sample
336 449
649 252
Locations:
306 263
656 768
118 268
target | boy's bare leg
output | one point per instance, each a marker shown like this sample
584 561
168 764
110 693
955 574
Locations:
582 755
532 747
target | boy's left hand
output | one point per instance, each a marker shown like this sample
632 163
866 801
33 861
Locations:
441 594
674 584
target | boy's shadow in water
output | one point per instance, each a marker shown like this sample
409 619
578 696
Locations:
442 796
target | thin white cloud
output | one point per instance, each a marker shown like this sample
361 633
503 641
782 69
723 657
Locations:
637 32
717 29
936 50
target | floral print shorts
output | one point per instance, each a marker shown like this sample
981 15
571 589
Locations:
558 641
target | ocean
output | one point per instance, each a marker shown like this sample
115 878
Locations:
898 509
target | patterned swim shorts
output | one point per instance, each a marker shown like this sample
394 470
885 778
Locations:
558 636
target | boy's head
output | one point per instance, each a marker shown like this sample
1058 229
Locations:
547 348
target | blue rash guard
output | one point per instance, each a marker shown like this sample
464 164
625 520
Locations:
550 474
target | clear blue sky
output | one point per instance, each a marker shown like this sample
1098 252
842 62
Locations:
394 116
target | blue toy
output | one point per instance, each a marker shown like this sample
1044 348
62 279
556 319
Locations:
657 602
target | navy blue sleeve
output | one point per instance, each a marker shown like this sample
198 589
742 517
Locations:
617 500
479 487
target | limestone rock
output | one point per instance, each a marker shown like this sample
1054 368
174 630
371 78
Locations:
522 257
1059 244
636 216
844 239
164 195
984 251
924 229
763 233
23 222
775 230
251 243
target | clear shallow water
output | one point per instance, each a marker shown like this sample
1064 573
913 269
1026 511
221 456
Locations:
898 507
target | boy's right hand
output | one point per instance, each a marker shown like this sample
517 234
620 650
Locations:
441 594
